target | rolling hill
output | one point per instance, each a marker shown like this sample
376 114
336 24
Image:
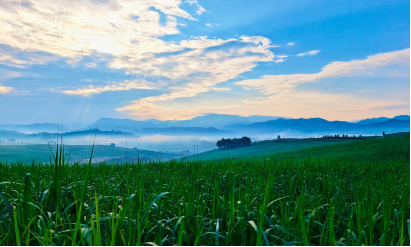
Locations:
76 153
264 148
302 148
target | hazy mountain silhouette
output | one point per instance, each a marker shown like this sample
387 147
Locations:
206 121
221 120
32 128
222 124
318 125
381 119
373 120
402 117
181 131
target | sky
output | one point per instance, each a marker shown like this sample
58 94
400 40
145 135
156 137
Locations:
80 60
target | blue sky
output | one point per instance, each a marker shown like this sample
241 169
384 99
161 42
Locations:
77 61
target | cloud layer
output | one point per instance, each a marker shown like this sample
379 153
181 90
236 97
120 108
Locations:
309 53
277 84
128 34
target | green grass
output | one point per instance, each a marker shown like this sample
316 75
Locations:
75 153
265 148
354 193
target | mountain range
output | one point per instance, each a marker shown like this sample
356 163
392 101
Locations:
319 126
206 121
381 119
225 125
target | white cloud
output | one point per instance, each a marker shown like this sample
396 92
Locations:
5 74
258 40
280 92
291 43
279 60
4 90
208 24
9 57
127 85
79 28
127 34
277 84
221 89
200 8
91 65
281 96
281 56
309 53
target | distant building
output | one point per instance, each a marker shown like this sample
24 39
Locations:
112 145
278 137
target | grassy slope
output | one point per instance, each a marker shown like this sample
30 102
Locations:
265 148
390 148
41 153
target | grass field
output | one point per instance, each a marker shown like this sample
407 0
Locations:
76 153
354 193
265 148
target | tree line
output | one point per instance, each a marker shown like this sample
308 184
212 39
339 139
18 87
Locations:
338 136
234 143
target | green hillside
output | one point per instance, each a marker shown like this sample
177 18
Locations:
266 147
395 148
42 153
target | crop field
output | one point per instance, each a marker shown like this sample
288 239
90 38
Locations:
266 148
353 193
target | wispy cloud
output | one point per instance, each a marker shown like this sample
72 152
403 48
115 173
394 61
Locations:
279 60
291 43
5 74
309 53
280 92
12 57
91 65
123 86
200 8
4 90
208 25
277 84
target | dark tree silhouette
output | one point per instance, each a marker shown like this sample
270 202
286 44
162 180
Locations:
234 143
219 144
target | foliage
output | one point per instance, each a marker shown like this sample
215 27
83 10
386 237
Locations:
353 193
234 143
